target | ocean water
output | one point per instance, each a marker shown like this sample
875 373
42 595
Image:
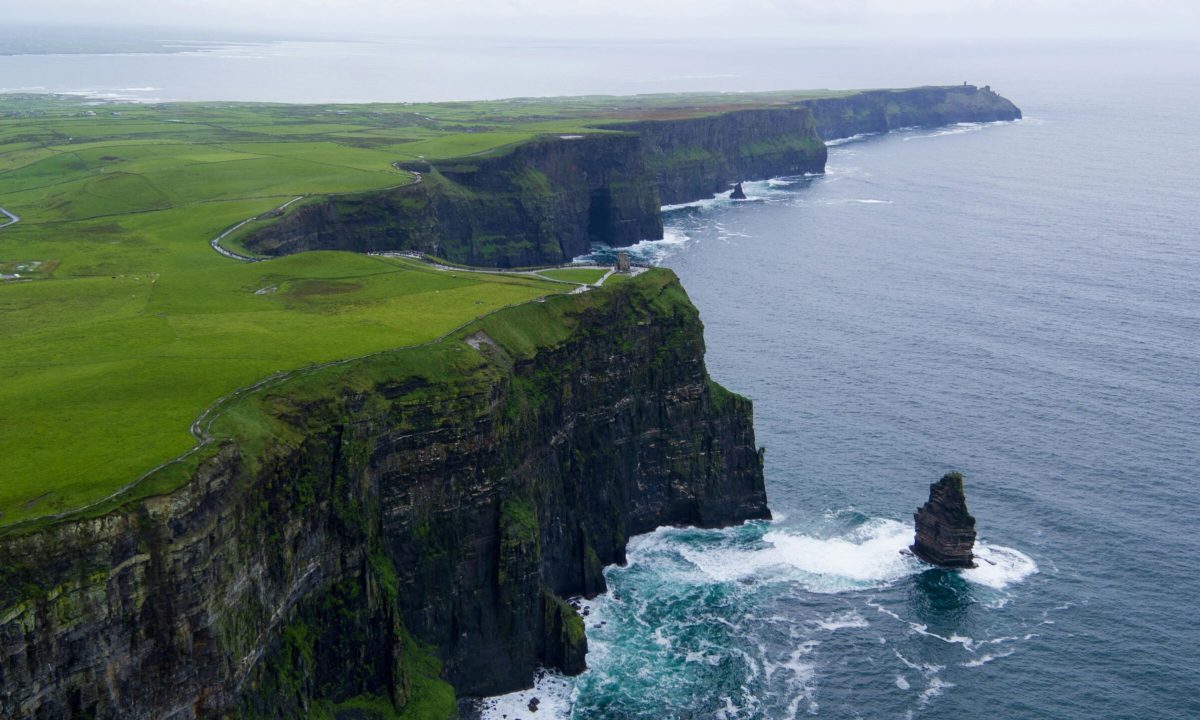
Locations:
1017 301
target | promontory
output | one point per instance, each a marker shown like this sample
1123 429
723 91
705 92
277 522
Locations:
301 418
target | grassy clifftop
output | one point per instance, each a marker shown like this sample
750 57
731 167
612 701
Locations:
121 323
103 376
359 521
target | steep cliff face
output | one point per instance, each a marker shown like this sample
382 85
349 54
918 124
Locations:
381 527
546 201
876 111
543 201
691 159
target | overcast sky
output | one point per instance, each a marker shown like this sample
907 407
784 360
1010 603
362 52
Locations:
800 19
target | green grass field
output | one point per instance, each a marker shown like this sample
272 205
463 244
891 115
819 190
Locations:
574 275
102 382
120 324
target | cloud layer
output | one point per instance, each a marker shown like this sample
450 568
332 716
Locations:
799 19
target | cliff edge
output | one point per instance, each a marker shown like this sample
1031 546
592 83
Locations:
547 200
387 532
879 111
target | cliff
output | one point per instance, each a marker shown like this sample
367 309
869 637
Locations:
541 202
877 111
547 200
691 159
375 530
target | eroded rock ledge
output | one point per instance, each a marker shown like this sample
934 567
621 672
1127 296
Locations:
385 527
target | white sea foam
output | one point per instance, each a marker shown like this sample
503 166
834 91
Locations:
957 129
755 190
935 688
706 202
868 556
554 692
848 201
985 659
655 251
998 567
837 171
926 669
652 252
842 141
841 621
953 639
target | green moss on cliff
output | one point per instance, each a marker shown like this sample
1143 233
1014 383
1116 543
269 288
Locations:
518 519
723 398
432 700
430 697
566 639
427 696
393 494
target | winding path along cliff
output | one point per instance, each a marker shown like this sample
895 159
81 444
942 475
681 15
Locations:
547 200
388 531
379 528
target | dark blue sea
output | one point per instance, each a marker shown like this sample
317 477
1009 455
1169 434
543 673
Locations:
1016 301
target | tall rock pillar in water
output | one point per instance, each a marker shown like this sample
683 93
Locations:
945 529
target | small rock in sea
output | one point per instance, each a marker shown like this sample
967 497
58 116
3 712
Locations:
945 530
533 705
738 193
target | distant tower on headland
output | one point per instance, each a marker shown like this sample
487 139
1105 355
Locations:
623 262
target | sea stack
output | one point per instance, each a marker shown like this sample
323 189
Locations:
945 529
738 193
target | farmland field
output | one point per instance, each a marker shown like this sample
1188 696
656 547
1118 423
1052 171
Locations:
120 323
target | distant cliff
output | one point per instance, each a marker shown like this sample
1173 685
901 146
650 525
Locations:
691 159
541 202
546 201
877 111
382 528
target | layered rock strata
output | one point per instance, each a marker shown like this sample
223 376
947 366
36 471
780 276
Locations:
695 158
540 202
547 200
945 529
878 111
375 530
